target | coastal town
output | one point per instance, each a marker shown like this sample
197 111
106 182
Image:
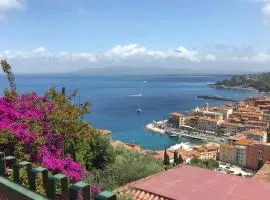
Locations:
238 132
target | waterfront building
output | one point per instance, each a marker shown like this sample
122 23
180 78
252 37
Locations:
206 113
256 134
193 121
225 127
227 153
208 124
177 119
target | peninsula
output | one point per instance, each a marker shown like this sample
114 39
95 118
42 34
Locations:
258 81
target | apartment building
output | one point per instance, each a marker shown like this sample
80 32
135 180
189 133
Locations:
227 153
229 128
208 124
240 155
261 125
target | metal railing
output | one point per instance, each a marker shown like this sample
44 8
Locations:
15 190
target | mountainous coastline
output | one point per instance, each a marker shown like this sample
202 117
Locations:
257 81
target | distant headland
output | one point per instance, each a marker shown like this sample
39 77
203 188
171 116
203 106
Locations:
257 81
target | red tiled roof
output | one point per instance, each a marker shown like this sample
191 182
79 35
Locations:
192 183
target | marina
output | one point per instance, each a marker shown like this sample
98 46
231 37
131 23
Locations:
162 127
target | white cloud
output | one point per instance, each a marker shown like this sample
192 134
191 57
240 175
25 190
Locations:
186 54
8 5
259 57
210 57
118 53
42 60
262 57
265 10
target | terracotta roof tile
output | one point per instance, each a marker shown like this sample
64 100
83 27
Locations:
192 183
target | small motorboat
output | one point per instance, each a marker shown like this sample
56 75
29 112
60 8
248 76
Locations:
173 135
139 110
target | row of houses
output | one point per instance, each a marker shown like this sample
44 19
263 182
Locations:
250 118
245 152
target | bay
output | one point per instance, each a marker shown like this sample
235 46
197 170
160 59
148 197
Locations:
115 100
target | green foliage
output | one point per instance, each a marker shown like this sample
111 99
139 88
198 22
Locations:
129 166
66 119
180 159
99 152
260 164
176 158
124 197
10 76
166 159
259 81
208 164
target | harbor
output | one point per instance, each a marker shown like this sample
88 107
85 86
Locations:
164 127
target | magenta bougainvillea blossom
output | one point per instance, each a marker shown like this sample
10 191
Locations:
26 117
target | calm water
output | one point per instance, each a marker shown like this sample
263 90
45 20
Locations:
116 98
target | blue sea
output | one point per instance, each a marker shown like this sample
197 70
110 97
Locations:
115 100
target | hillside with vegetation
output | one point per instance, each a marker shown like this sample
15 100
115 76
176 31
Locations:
260 82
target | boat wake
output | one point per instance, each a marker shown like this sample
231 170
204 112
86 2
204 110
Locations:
135 95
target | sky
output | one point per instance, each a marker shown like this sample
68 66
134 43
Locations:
55 36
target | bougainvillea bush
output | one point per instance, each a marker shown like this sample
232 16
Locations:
25 121
46 130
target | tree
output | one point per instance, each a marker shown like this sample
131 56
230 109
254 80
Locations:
176 158
98 152
166 158
180 159
260 164
66 118
10 76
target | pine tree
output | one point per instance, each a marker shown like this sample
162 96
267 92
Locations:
176 158
166 158
180 159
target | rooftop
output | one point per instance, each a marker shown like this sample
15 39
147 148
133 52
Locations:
244 142
191 183
176 114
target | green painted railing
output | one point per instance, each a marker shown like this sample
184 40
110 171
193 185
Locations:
14 190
